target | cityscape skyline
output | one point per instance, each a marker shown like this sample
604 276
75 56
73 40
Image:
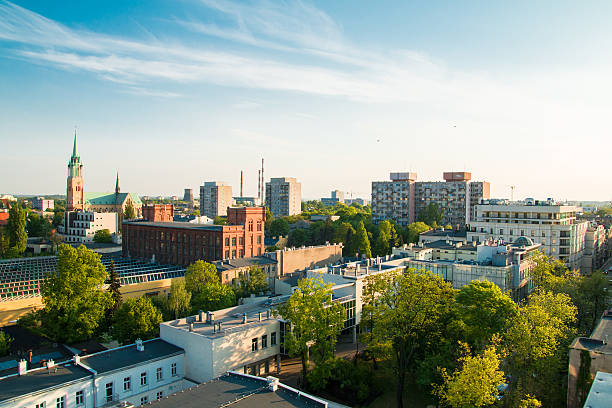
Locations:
301 85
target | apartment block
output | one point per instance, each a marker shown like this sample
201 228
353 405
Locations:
553 225
215 197
403 198
337 196
284 196
40 203
595 248
80 226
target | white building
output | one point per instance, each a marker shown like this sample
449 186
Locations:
80 226
137 374
215 197
553 225
42 204
284 196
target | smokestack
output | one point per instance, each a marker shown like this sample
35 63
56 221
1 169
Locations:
259 184
241 174
263 184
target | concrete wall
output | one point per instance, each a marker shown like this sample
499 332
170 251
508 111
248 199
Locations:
292 260
49 397
198 351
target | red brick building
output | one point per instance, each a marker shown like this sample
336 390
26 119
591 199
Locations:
183 243
158 212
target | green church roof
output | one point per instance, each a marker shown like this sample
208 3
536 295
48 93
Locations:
110 198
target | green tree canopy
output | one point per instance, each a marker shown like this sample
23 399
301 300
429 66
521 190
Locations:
129 212
362 242
475 382
485 310
316 322
103 235
413 231
5 343
37 226
279 227
200 274
179 299
16 229
382 245
408 313
137 318
298 237
75 307
254 281
208 293
431 215
114 288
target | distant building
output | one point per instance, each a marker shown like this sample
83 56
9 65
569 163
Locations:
188 196
291 260
599 351
595 248
360 201
183 243
403 198
284 196
553 225
158 212
215 197
231 270
39 203
337 196
443 235
81 226
248 201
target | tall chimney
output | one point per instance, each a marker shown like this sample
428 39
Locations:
259 184
263 184
241 174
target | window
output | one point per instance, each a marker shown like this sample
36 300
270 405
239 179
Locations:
234 241
159 395
259 251
226 254
173 369
109 392
259 226
80 398
227 241
254 344
143 378
159 374
240 241
233 253
127 383
144 400
41 405
264 341
61 402
273 339
259 239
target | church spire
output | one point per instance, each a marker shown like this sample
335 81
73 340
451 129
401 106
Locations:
75 152
117 189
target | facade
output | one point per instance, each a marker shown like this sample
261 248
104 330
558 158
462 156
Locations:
595 248
403 198
291 260
80 226
39 203
553 225
359 201
284 196
231 270
596 348
78 200
136 374
443 235
215 197
158 212
337 196
182 243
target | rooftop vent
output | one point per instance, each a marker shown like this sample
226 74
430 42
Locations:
272 383
22 368
139 345
244 318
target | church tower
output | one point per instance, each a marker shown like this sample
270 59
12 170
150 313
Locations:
75 184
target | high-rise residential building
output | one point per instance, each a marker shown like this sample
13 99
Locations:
403 198
284 196
215 197
553 225
337 196
394 200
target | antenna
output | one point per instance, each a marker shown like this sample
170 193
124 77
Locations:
512 193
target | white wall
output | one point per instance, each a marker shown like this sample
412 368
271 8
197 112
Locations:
50 396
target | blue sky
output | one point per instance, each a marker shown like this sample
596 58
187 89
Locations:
337 94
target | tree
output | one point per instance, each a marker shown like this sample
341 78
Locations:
485 310
103 236
431 215
58 218
129 212
5 343
362 242
414 230
219 220
408 313
137 318
474 383
254 281
114 286
316 322
298 237
529 401
37 226
344 233
382 245
75 307
179 299
279 227
16 229
200 274
269 218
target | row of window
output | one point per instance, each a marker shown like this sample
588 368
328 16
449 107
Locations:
264 341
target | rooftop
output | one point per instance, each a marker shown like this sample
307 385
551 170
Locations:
181 225
40 379
600 394
239 390
243 262
599 338
127 356
445 233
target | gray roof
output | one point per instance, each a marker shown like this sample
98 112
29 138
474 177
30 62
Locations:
600 394
597 342
445 233
182 225
243 391
123 357
243 262
40 379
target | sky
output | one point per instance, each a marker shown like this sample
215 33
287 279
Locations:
337 94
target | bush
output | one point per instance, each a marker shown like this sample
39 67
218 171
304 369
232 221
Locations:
102 236
5 343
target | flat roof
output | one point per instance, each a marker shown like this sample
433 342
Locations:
40 379
243 262
597 342
230 319
239 391
445 233
181 225
128 356
600 394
